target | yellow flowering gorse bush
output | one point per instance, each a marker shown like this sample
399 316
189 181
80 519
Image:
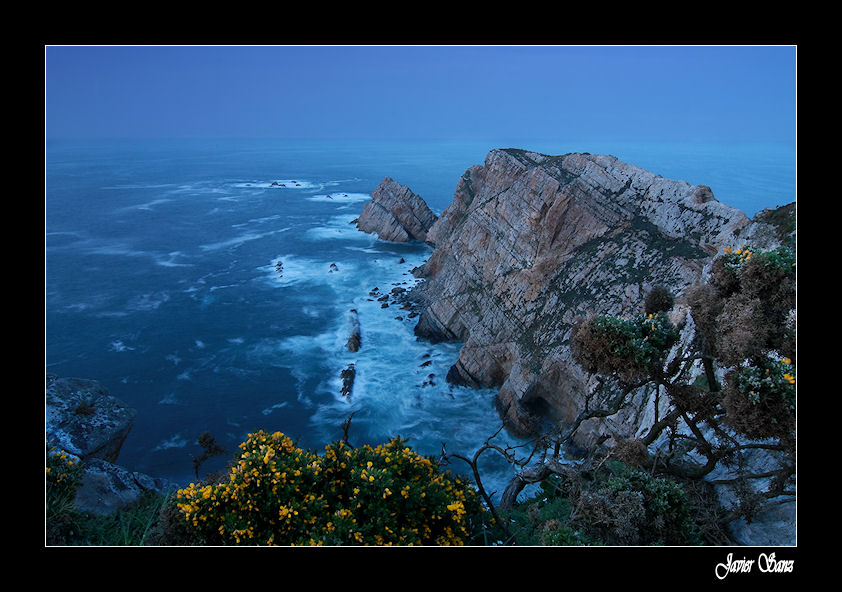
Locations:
278 494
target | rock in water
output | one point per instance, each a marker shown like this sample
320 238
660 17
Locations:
354 340
348 375
396 214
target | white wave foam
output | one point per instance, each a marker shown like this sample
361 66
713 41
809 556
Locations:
145 302
279 184
340 197
233 242
175 441
119 346
169 399
170 260
271 409
340 228
239 240
148 206
287 270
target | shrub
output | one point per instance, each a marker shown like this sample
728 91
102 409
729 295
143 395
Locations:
633 507
760 399
63 477
631 349
277 493
657 300
614 504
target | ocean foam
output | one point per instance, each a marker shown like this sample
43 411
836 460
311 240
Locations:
341 197
174 441
340 228
303 270
279 184
119 346
272 409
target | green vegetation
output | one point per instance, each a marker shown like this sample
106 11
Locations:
275 493
66 525
745 327
629 348
615 504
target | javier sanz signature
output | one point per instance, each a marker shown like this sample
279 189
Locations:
765 564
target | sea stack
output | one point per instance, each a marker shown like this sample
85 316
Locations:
396 214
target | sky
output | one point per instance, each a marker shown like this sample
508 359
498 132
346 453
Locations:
628 93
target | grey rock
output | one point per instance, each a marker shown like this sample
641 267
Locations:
354 335
106 487
396 214
530 242
84 419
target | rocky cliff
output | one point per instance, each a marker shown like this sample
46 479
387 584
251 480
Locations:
531 242
395 213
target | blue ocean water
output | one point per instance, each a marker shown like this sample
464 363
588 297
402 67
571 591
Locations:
161 283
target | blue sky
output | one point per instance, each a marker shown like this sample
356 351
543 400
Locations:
666 93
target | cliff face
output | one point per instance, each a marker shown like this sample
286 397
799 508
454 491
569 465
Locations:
530 242
395 213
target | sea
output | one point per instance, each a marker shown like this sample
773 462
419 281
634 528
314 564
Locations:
208 284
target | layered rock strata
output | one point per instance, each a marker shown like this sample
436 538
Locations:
531 242
395 213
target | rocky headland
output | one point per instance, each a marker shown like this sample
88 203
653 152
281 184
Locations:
532 242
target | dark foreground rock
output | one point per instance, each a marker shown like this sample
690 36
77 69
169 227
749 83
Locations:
87 422
108 487
84 419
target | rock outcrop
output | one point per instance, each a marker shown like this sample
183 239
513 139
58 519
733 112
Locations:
85 420
531 242
354 337
395 213
107 487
